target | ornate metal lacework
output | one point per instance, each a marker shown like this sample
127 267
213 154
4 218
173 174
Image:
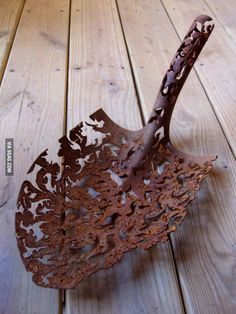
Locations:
116 189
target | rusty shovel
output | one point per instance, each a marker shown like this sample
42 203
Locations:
115 190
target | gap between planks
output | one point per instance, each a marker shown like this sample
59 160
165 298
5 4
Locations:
8 38
62 292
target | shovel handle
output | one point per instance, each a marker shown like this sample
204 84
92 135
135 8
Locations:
179 70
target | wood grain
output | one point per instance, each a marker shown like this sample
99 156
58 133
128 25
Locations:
32 105
224 12
216 66
100 76
10 11
204 245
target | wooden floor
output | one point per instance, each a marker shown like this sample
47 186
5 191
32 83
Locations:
61 60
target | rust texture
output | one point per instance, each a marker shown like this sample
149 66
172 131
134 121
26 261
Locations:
116 189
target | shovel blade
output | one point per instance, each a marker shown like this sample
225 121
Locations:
82 215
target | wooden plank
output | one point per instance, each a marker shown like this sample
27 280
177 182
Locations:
224 12
217 68
10 11
204 245
100 76
32 105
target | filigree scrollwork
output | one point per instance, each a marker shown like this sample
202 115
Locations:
116 189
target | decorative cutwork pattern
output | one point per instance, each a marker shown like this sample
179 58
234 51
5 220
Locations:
116 189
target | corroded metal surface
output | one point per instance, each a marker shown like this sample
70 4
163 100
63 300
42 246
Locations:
116 189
